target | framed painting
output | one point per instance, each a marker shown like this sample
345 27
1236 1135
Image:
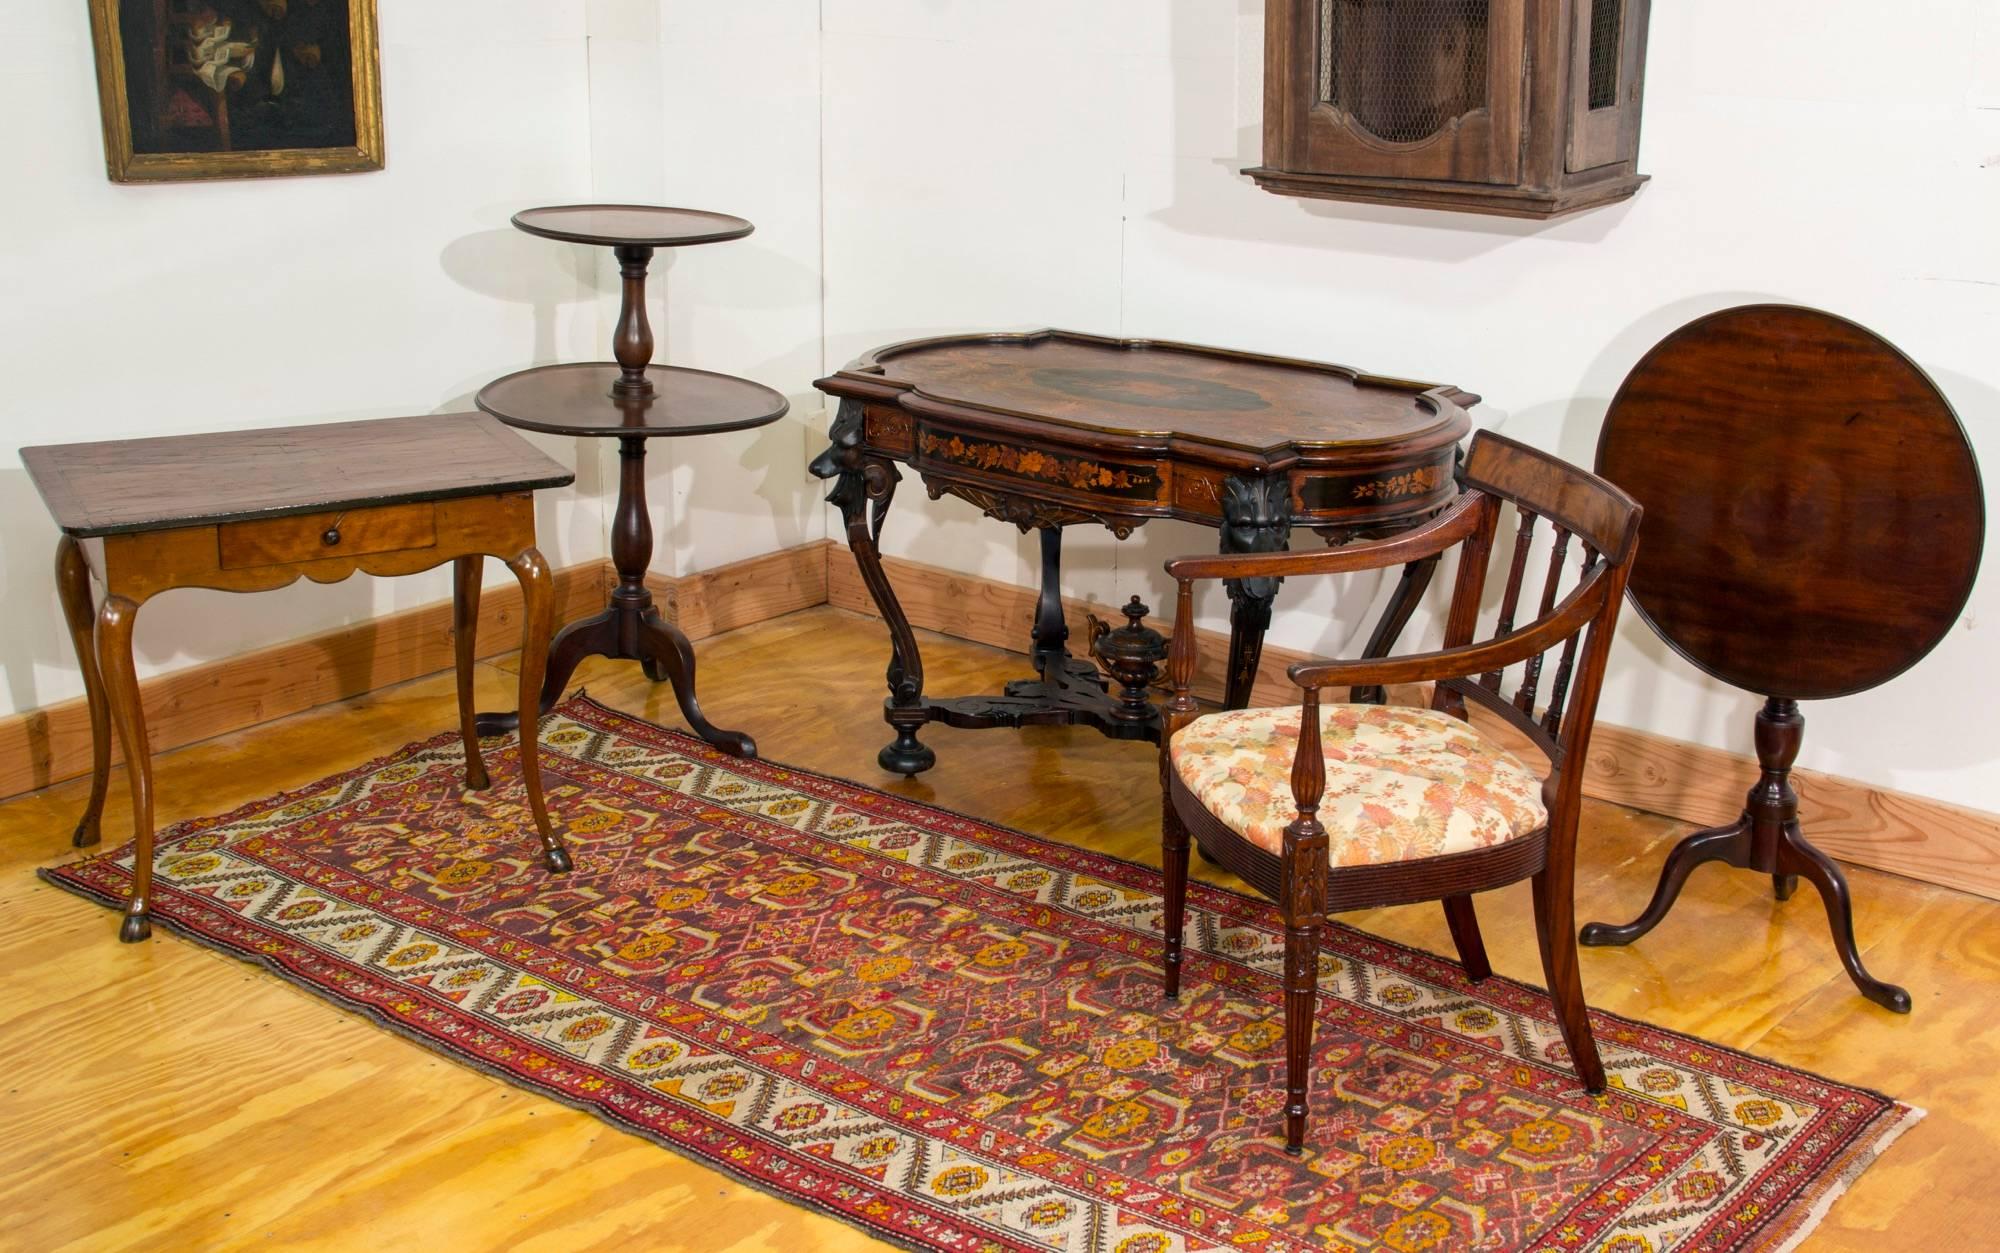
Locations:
237 88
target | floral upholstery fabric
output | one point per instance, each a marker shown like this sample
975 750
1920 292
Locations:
1401 784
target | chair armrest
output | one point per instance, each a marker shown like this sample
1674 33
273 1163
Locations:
1466 660
1459 519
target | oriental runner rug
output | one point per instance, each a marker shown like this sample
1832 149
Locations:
952 1034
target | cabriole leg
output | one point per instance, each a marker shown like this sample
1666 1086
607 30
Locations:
1730 844
1802 860
73 584
664 644
115 619
538 612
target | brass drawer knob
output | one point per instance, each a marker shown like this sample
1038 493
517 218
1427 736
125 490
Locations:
330 536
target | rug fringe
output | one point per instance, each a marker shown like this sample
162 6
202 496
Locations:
1837 1185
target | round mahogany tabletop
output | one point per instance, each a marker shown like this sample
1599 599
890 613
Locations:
1814 516
632 225
577 400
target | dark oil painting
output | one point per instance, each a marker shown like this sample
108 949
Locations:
237 88
238 75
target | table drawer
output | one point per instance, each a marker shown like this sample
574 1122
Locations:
315 536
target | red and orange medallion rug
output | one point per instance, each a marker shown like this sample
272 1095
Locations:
952 1034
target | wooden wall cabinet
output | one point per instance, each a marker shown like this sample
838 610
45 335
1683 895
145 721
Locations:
1527 108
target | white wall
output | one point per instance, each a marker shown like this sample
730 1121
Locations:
1047 163
148 310
920 166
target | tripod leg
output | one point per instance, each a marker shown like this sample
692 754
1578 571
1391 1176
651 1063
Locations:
1730 844
586 637
661 641
1798 857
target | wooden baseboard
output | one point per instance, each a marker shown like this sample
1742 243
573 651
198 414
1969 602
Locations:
1909 835
51 744
744 593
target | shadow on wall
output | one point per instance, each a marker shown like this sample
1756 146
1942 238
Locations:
774 488
516 268
776 456
755 480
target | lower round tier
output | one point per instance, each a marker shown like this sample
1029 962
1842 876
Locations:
578 400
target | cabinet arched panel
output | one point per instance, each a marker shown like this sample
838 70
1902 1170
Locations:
1416 88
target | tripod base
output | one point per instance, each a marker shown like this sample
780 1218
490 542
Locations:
1767 839
633 633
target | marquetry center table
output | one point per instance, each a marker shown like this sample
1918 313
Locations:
633 401
1051 429
246 511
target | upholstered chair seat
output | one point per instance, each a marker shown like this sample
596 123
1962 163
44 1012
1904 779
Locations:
1401 783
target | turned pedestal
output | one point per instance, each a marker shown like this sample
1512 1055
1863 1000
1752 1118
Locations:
633 401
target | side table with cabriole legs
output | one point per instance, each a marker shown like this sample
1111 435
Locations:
633 401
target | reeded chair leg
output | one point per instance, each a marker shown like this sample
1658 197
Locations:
1174 858
1302 901
1555 928
1301 996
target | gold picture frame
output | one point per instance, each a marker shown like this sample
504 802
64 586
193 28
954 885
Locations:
302 78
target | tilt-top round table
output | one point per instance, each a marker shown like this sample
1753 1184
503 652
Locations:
1813 525
631 400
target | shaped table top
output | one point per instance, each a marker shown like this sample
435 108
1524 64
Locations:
1145 390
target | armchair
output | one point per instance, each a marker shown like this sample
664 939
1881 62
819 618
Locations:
1422 805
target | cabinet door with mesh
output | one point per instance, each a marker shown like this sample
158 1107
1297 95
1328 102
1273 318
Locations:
1427 89
1607 62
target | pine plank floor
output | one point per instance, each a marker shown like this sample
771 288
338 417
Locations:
162 1096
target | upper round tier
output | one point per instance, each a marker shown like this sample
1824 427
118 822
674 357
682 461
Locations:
640 225
577 400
